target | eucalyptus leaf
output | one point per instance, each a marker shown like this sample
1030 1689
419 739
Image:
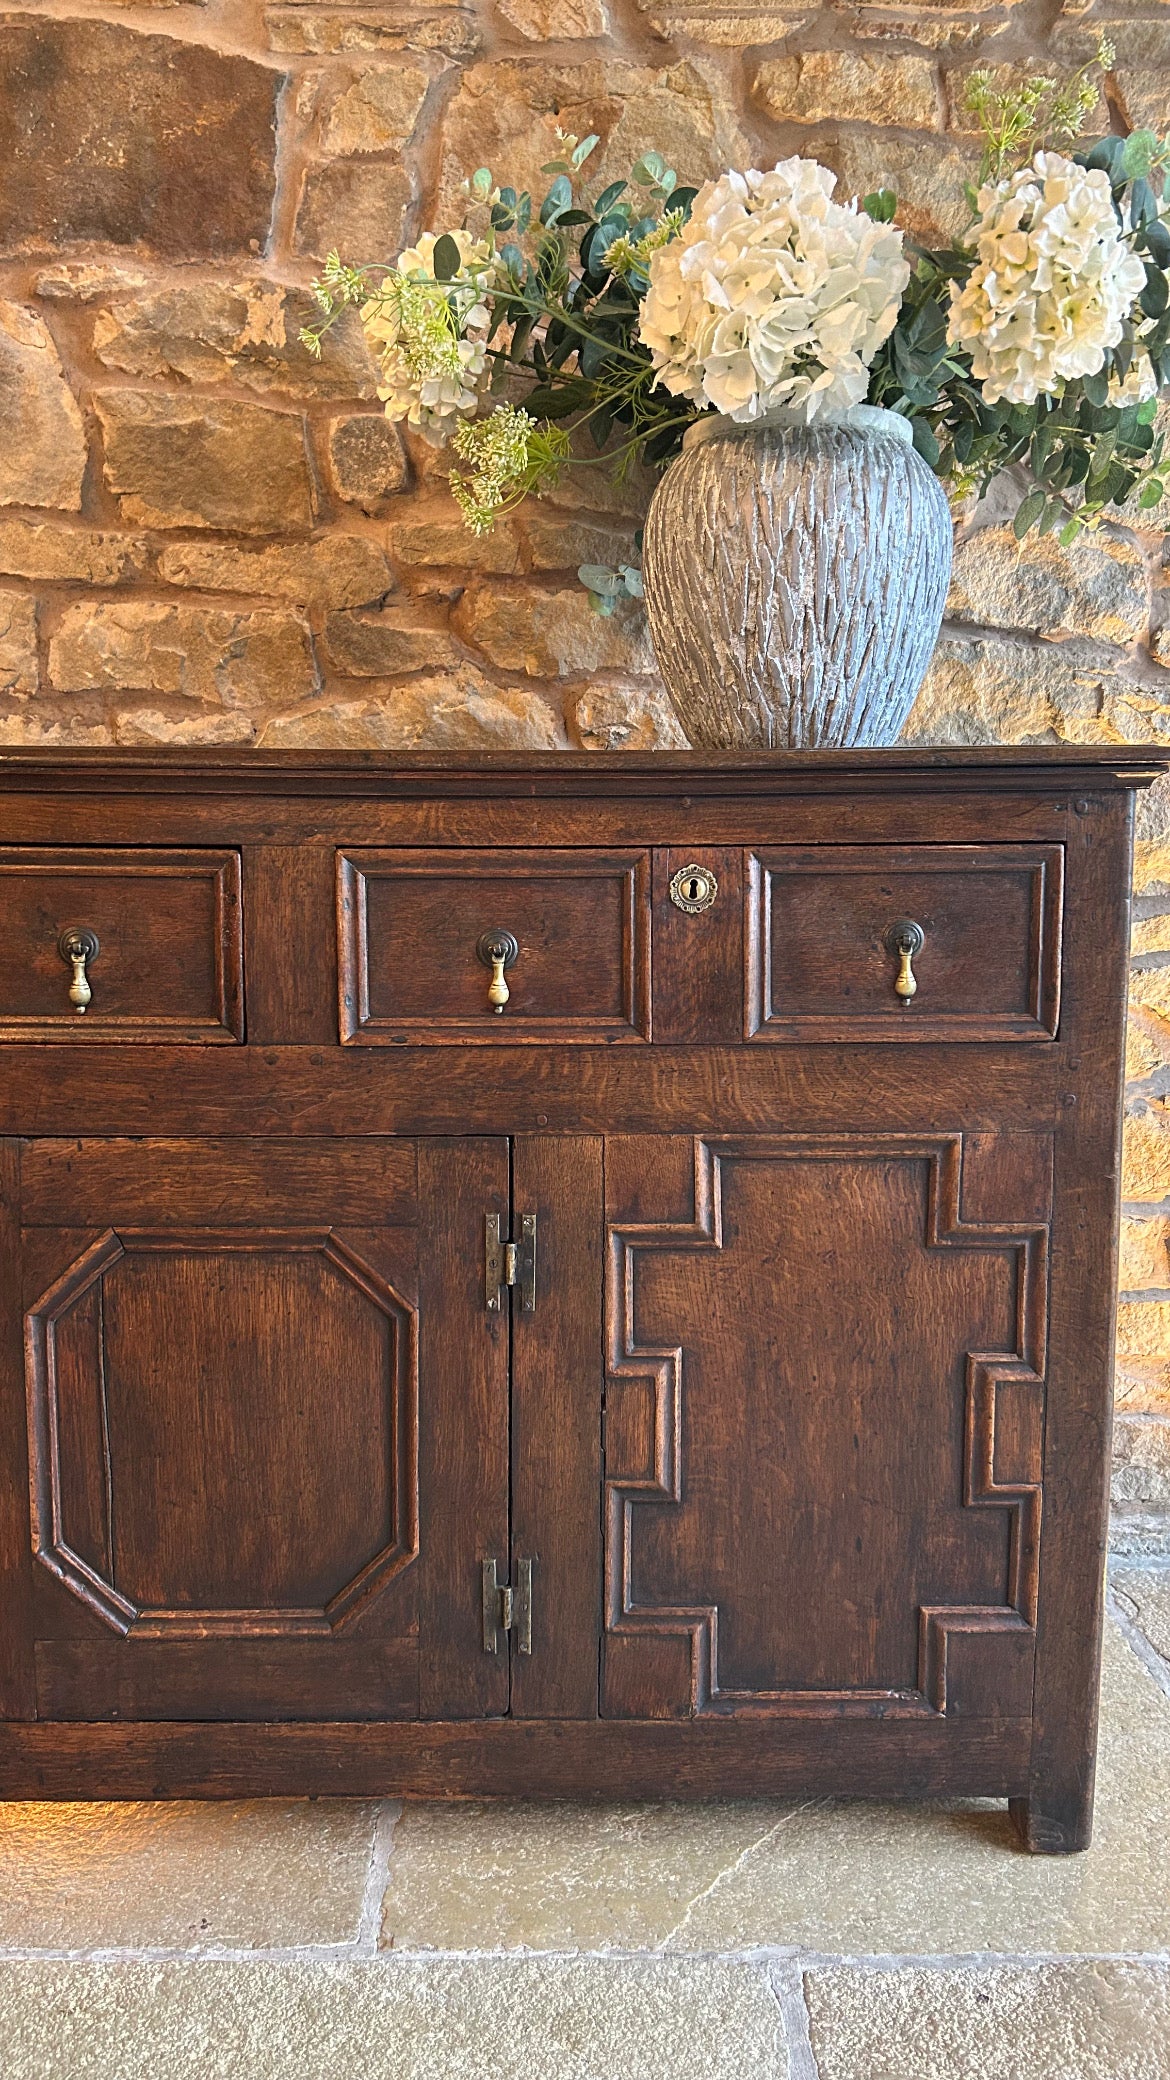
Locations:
559 198
596 578
445 259
1151 494
1028 512
587 145
608 197
1137 153
881 205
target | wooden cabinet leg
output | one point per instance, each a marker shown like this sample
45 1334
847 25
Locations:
1051 1827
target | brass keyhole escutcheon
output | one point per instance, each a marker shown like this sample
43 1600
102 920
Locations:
693 889
905 940
497 950
78 946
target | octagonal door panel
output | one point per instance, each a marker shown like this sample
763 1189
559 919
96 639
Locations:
237 1377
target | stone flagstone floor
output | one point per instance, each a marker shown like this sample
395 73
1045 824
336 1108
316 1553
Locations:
343 1940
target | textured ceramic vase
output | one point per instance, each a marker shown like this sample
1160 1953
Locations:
795 580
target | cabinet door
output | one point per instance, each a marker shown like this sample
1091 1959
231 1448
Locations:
824 1424
268 1426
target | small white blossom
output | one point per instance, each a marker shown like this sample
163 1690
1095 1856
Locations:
1138 385
1052 285
773 295
430 337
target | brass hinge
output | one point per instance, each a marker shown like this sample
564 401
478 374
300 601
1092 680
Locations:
507 1609
509 1263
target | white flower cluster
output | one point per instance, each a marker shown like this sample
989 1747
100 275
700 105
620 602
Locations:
773 295
1052 285
430 336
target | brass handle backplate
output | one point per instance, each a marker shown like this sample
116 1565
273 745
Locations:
497 950
905 940
78 947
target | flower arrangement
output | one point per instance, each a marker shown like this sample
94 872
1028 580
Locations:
1038 338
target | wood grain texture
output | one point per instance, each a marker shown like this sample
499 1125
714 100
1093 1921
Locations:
528 1758
556 1425
1057 1814
203 1364
170 944
409 924
819 954
810 1497
464 1428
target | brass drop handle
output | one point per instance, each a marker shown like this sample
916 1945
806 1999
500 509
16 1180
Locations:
905 940
497 950
78 948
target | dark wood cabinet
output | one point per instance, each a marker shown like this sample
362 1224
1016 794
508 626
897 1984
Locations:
629 1315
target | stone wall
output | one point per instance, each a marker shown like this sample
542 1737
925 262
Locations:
207 539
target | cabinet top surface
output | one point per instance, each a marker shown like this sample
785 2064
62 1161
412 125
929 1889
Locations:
929 769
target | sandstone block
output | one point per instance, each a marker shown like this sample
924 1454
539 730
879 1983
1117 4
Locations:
453 31
1145 1255
367 461
1096 588
203 462
84 281
451 711
547 634
1145 1166
436 536
506 113
1141 1463
926 174
554 21
53 549
1140 35
937 28
733 27
337 570
42 435
40 725
132 140
1147 1043
634 716
18 643
354 206
378 110
1146 93
248 659
209 726
1143 1329
244 332
563 542
1141 1385
849 86
993 691
399 637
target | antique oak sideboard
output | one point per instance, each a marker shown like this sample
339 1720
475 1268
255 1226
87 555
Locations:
558 1274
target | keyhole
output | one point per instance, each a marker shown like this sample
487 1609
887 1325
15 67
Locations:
692 890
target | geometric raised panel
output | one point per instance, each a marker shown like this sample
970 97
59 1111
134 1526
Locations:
223 1432
824 1423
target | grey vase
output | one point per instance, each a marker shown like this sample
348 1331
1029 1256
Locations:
795 580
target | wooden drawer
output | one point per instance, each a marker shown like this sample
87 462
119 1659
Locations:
169 965
822 962
410 921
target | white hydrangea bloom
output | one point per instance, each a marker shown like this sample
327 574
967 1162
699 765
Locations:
430 337
773 295
1052 285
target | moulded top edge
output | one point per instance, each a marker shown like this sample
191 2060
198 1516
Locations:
982 768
